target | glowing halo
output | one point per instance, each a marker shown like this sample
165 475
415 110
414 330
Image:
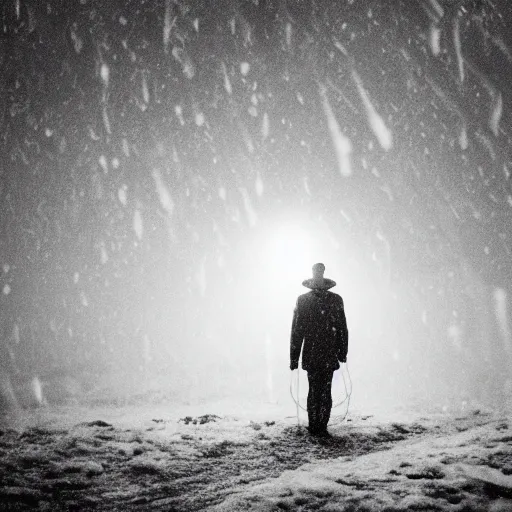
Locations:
288 254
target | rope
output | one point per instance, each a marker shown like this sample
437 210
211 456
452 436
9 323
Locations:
298 395
297 403
348 394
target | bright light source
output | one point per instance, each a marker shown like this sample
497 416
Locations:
288 254
283 257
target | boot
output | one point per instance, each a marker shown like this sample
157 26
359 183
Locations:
323 432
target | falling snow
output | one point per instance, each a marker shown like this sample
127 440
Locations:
168 24
244 68
497 111
341 143
163 192
259 185
137 224
227 82
145 90
103 163
153 151
374 119
435 40
122 195
105 73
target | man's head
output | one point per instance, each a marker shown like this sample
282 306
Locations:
318 270
318 282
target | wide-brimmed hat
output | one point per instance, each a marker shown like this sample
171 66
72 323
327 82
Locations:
318 281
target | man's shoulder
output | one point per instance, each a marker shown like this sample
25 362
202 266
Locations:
335 298
303 296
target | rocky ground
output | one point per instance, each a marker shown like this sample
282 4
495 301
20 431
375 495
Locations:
97 460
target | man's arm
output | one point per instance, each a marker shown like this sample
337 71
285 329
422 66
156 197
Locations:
296 338
342 332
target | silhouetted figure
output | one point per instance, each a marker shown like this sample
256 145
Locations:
319 322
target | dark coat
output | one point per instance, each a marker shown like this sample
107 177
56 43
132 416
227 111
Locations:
319 322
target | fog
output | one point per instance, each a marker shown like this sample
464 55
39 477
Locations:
171 170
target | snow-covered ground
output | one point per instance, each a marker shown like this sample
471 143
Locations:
227 456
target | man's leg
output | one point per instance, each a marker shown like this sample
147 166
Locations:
325 399
314 393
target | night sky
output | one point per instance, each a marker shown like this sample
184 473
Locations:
151 148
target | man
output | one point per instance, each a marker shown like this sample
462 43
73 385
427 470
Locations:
319 323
